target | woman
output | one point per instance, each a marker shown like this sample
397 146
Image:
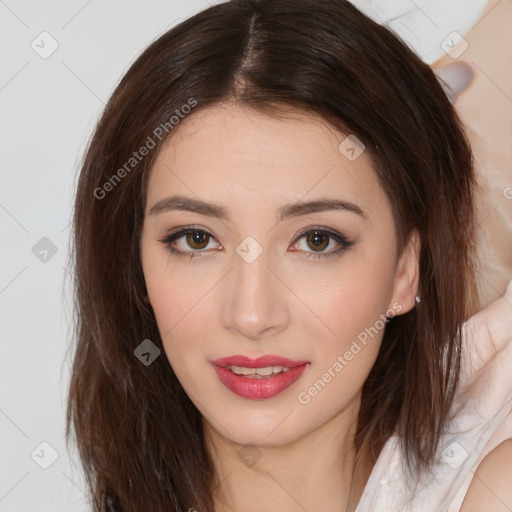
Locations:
274 229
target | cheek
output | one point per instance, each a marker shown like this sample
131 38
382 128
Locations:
344 359
356 305
355 315
352 298
353 307
182 321
182 306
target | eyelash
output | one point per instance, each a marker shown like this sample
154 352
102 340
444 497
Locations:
343 242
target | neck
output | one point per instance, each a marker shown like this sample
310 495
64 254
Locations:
312 472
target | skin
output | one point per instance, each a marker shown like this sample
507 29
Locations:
283 303
489 334
490 488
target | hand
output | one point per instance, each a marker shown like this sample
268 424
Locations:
487 333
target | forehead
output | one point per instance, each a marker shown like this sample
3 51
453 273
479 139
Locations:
240 156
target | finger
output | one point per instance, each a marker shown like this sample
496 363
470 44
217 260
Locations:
454 78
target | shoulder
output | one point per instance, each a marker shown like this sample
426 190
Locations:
491 486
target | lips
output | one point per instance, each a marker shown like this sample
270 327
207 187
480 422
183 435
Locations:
263 387
259 362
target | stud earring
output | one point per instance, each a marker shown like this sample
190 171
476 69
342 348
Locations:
417 300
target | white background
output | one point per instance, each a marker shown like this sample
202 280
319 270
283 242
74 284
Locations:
48 109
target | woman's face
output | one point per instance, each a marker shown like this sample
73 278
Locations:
270 270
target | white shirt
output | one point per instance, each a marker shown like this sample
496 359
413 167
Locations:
482 421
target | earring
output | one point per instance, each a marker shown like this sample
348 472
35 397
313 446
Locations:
417 300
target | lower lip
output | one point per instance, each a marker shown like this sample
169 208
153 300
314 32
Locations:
259 389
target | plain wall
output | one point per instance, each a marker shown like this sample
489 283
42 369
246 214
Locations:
48 109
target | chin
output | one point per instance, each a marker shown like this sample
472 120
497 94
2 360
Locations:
274 429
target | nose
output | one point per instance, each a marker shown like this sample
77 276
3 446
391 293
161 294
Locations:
255 302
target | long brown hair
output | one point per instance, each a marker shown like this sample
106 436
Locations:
138 434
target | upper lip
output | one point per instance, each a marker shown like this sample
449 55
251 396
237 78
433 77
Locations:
259 362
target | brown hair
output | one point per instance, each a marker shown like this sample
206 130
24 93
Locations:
139 436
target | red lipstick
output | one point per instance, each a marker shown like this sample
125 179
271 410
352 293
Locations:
254 386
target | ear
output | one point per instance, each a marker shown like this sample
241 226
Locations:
405 286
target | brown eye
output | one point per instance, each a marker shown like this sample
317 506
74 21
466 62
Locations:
197 239
321 243
317 240
190 242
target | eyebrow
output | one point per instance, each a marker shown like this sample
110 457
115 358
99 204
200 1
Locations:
290 210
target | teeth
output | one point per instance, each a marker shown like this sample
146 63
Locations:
257 372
